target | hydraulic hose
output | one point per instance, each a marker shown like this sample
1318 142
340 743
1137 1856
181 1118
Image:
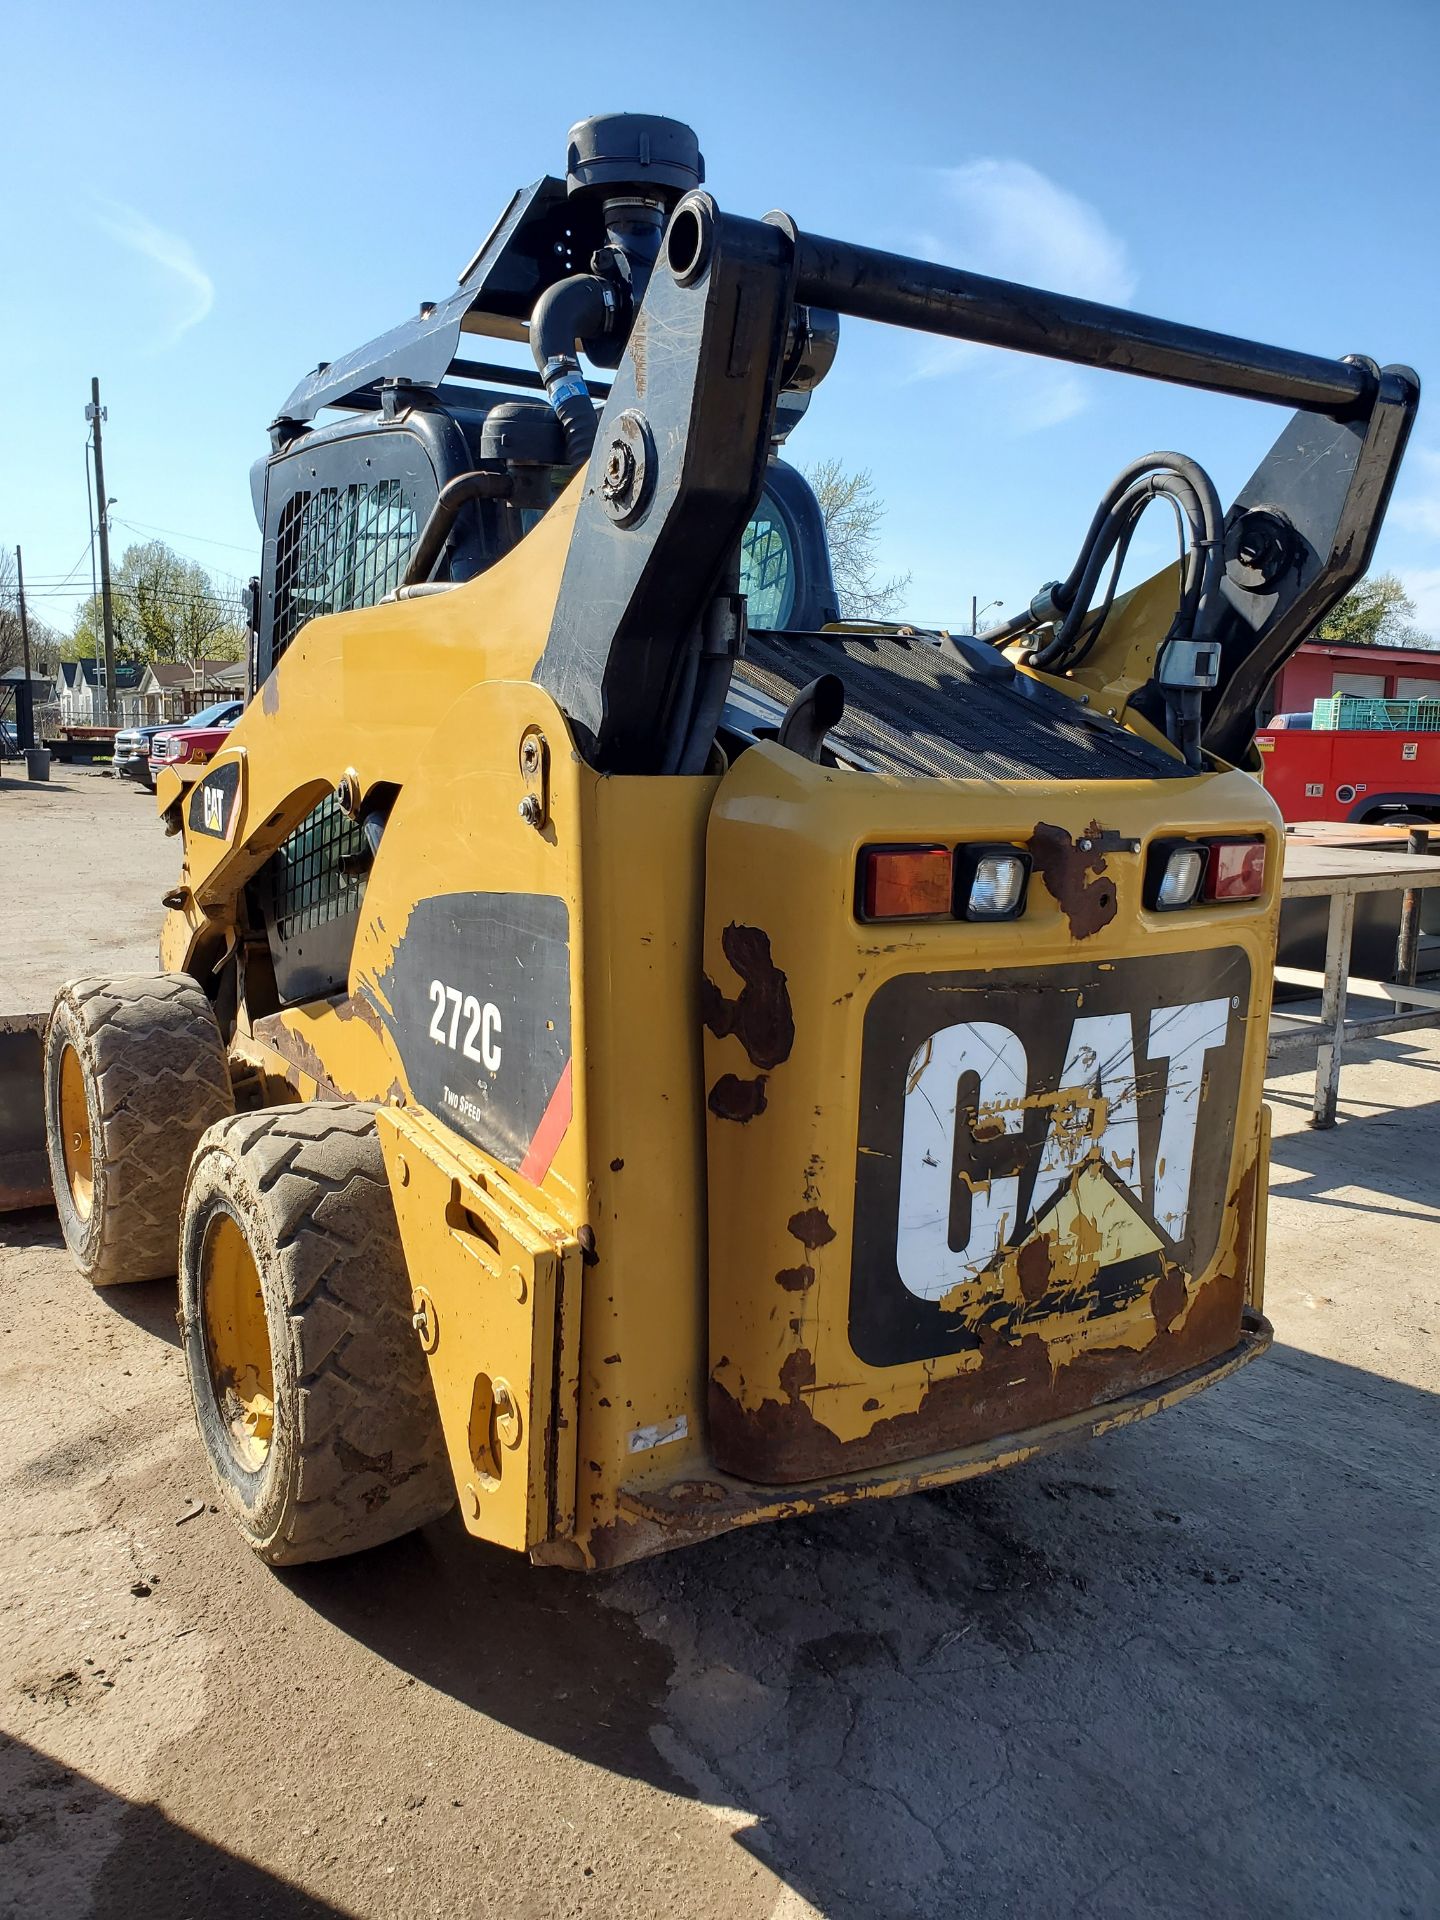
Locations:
580 308
1116 532
1066 605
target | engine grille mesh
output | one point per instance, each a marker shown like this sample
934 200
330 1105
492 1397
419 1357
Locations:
911 708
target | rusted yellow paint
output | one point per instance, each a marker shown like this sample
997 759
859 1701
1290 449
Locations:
776 1348
582 1320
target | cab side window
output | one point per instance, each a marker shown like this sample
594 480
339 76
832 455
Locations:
338 548
767 567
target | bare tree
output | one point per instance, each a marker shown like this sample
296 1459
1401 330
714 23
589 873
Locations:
852 511
44 641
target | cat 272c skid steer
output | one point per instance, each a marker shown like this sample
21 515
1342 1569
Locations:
635 1053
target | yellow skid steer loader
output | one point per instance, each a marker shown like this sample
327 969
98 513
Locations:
636 1053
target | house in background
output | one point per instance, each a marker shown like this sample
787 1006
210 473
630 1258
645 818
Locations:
161 690
174 689
80 694
1317 670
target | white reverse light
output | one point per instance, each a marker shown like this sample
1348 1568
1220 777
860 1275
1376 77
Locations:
997 885
1180 879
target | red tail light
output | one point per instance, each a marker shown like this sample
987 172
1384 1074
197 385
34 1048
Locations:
905 883
1236 870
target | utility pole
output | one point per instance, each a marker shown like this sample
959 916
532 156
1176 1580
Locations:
29 702
95 413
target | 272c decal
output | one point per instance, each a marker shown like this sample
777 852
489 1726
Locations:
482 1021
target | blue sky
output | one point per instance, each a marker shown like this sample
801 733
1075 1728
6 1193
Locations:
201 202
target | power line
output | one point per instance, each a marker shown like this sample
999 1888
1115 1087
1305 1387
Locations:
205 540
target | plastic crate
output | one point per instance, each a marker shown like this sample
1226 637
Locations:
1354 713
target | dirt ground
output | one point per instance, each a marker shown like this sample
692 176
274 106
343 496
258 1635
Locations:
1189 1671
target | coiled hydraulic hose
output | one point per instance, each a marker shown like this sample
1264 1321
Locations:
1065 605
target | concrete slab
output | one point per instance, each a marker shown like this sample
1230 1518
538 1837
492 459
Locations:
1187 1672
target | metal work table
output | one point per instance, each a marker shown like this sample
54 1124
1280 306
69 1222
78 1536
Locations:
1341 873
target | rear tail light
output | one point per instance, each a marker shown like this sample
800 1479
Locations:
1236 870
1186 873
938 883
905 883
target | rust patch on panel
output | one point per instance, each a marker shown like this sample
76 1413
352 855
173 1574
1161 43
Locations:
355 1006
760 1015
1016 1387
811 1227
1076 874
796 1279
1168 1297
1032 1265
1243 1201
732 1098
797 1374
296 1051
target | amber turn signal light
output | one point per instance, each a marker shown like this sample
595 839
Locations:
905 883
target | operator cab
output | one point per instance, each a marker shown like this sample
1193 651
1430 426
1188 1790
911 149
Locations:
343 508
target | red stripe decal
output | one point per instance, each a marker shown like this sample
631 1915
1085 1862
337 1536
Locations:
545 1143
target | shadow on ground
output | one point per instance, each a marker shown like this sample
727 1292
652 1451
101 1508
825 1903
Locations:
1185 1672
56 1823
149 1306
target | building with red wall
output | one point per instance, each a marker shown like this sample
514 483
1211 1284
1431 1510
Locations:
1317 670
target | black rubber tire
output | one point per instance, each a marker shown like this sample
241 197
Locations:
155 1075
356 1453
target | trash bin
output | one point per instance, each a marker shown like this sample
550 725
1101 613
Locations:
37 762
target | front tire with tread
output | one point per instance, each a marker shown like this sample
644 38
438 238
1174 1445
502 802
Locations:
147 1068
355 1453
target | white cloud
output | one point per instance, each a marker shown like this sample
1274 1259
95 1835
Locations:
1014 222
193 287
1417 507
1006 219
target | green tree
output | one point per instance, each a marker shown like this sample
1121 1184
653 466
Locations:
852 511
1377 613
165 607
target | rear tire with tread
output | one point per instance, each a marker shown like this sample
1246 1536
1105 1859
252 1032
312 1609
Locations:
153 1075
355 1454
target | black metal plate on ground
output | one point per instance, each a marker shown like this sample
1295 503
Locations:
479 1005
995 1108
24 1166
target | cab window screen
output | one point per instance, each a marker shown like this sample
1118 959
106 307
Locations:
309 894
337 548
767 567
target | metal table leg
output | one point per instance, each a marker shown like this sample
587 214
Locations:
1332 1007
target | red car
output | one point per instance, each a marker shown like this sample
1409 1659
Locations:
188 749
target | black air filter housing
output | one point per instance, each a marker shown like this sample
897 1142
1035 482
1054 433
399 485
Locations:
522 432
639 153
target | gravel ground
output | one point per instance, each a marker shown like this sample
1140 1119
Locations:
1187 1671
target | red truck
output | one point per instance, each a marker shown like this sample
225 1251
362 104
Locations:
188 749
1381 765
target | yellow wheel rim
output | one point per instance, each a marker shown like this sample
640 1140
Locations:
237 1341
75 1133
